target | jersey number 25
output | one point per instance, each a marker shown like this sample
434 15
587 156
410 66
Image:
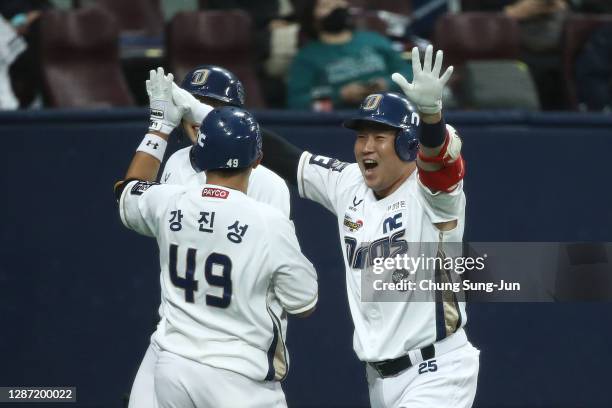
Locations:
190 285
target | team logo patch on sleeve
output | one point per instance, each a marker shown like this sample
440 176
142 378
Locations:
328 163
351 225
141 187
215 193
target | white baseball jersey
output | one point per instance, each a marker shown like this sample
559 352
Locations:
229 267
371 228
264 186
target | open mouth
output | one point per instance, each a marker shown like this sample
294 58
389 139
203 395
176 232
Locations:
369 165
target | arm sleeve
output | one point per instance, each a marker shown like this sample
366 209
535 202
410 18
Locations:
441 206
141 204
300 83
322 179
295 279
280 156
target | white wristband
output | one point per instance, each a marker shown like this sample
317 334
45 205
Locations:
160 126
153 145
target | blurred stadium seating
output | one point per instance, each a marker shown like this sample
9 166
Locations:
485 50
476 36
179 34
578 27
142 16
214 37
80 60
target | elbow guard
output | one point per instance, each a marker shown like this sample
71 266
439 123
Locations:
453 166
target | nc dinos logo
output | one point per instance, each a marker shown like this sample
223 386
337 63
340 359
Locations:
372 102
200 76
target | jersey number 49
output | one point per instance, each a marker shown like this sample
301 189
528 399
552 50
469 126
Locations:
190 285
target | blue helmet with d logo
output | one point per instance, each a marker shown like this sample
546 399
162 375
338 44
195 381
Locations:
216 83
395 111
228 138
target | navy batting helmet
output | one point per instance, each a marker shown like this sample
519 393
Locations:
229 138
393 110
215 82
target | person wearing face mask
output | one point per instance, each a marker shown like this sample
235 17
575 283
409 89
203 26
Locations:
339 63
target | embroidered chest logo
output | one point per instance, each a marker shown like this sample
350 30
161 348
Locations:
392 223
355 204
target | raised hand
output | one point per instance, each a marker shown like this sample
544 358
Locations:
165 114
425 91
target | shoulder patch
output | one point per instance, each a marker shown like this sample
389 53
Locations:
328 163
141 187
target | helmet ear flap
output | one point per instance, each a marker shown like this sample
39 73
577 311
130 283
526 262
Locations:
406 145
192 159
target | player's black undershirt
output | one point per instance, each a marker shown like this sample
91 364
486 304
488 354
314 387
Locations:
280 156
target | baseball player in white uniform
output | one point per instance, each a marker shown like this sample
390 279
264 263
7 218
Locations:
406 188
213 86
224 287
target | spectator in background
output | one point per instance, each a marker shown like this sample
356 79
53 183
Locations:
275 41
541 23
594 71
339 66
25 71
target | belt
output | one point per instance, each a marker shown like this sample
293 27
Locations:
390 368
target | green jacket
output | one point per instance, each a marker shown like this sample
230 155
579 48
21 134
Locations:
329 67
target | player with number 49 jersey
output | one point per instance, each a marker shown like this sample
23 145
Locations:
220 263
231 267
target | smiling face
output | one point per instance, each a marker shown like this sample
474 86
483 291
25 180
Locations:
383 171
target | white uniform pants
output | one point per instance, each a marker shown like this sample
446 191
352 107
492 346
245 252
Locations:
184 383
178 382
143 389
447 380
